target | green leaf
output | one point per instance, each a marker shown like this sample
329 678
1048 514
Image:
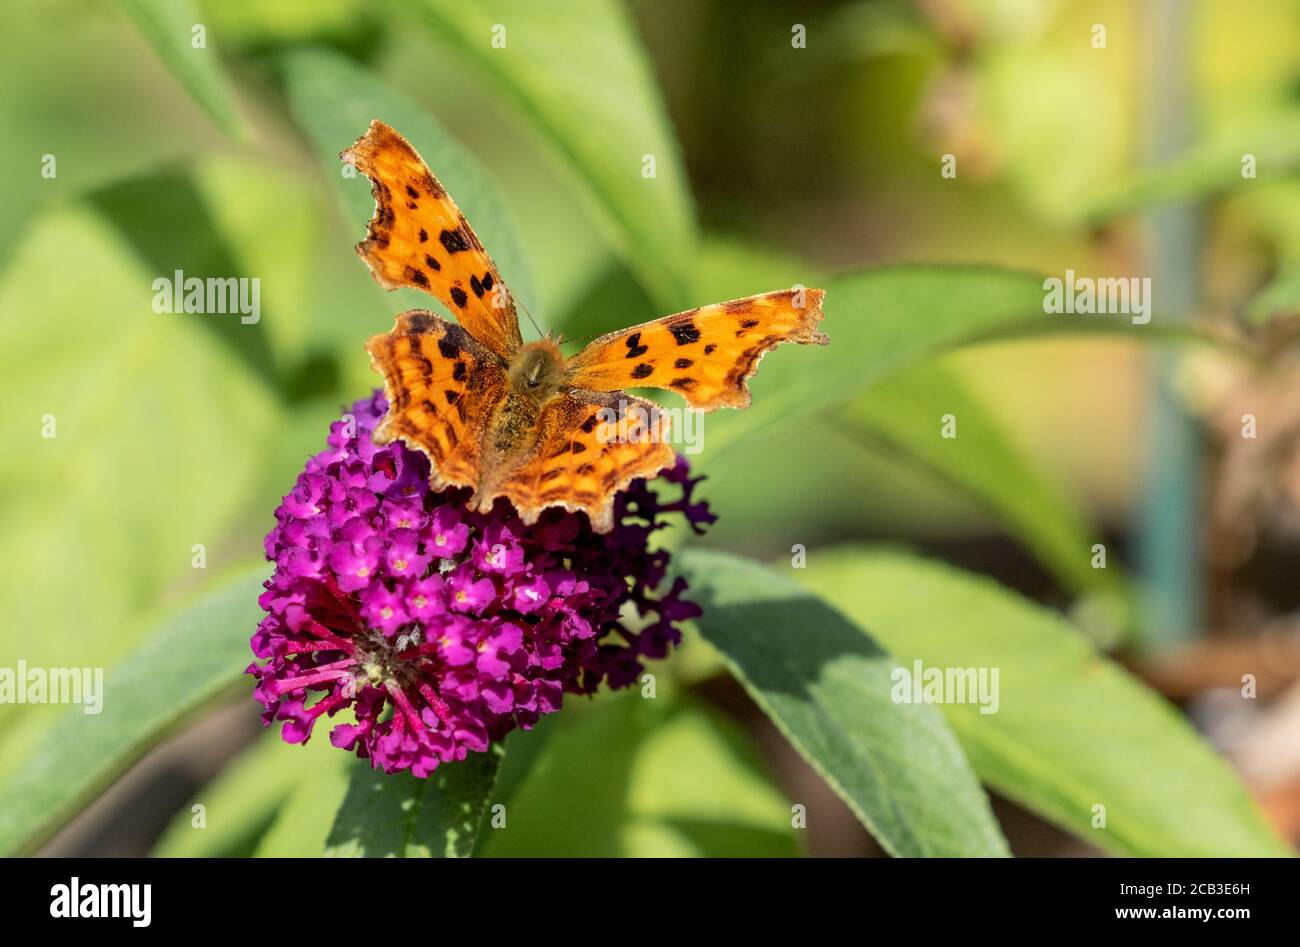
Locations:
576 71
1211 166
906 411
630 776
397 815
302 824
167 25
243 801
140 439
334 102
103 411
1280 297
194 659
1072 730
145 211
826 685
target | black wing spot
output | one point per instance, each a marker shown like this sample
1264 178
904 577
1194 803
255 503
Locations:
477 286
451 396
589 425
412 192
458 296
448 348
708 349
458 373
488 281
417 277
749 323
578 447
424 235
634 347
432 263
684 331
682 383
644 370
453 240
683 363
421 322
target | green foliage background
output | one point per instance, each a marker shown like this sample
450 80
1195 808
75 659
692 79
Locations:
175 430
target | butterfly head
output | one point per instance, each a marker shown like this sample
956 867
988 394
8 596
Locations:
538 370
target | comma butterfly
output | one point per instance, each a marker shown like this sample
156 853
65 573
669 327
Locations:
519 420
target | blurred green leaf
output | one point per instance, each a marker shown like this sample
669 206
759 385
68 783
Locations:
242 802
906 411
303 821
826 685
334 101
1033 97
397 815
1212 166
1072 730
92 64
271 218
260 25
166 221
168 27
522 750
639 777
192 660
577 72
1280 297
140 439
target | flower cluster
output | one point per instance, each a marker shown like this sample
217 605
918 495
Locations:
386 593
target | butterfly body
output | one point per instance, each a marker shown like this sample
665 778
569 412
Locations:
518 420
535 377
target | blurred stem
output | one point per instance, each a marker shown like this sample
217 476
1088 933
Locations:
1168 541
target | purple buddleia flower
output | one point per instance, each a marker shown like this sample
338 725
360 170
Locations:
441 629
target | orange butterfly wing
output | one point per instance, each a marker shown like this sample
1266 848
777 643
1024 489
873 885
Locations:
418 237
704 354
591 446
442 387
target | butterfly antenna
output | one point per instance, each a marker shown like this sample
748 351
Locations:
581 338
531 320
